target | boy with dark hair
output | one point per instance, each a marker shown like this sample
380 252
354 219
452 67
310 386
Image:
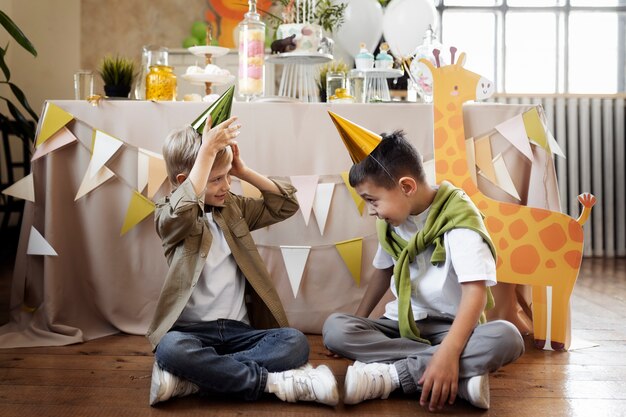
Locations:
440 261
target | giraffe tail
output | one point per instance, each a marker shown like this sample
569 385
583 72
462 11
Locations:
587 200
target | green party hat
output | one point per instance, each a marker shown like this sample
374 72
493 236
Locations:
219 111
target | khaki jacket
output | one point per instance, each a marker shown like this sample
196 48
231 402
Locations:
186 239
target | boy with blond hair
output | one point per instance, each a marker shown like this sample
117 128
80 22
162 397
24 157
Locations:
219 326
437 257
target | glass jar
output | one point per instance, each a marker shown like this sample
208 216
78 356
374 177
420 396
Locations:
334 80
161 83
251 38
150 55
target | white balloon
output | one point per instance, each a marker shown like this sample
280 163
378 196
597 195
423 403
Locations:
405 22
363 22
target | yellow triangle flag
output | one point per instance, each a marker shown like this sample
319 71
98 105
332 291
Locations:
138 209
351 252
359 141
360 203
54 119
534 128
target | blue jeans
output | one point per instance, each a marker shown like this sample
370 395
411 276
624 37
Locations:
230 357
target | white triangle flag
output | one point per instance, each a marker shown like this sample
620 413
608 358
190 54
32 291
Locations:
295 260
104 148
504 178
24 189
37 245
91 183
554 145
514 131
143 165
306 186
321 204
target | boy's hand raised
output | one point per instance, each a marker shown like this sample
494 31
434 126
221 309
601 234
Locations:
238 167
220 136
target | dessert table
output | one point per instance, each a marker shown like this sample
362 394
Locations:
101 282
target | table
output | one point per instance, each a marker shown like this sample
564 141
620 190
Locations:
102 283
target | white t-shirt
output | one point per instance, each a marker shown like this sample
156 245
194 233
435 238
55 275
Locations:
435 288
219 292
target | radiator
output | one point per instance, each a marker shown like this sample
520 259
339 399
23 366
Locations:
591 132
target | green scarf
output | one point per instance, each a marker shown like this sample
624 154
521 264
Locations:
451 209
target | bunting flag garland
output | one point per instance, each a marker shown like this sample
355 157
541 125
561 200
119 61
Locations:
503 177
554 145
24 189
484 160
37 244
104 147
351 252
139 208
295 258
514 131
534 128
57 141
321 204
53 120
91 183
306 186
151 171
360 203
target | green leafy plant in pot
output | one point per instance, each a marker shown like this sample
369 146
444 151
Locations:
118 74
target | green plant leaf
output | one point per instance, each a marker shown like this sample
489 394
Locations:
16 33
22 99
3 64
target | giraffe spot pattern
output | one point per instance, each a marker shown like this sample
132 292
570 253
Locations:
459 167
494 224
524 260
470 189
575 231
518 228
441 166
550 263
437 115
451 151
455 122
539 214
553 237
509 209
483 205
503 244
573 258
451 107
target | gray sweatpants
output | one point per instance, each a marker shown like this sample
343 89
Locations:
490 346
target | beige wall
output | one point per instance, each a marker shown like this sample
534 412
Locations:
73 34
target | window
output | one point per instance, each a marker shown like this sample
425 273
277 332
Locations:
540 46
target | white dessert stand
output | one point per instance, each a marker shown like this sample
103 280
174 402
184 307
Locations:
376 88
298 77
208 52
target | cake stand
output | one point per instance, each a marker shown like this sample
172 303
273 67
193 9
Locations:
298 77
208 52
376 88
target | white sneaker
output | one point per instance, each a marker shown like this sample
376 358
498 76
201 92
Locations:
475 390
305 384
165 386
366 381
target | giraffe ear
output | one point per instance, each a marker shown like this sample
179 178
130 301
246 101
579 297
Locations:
461 60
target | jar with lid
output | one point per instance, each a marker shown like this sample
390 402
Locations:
161 83
150 55
251 34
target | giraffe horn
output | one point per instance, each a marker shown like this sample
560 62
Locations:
452 53
436 54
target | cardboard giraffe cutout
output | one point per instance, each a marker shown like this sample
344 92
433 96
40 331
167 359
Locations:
535 247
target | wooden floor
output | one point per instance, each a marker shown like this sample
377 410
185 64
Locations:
111 376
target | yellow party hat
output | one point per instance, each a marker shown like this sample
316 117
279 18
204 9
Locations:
359 141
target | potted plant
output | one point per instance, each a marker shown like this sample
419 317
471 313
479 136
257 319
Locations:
332 66
118 74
